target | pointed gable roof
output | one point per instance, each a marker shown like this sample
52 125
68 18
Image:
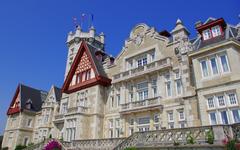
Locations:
23 95
100 77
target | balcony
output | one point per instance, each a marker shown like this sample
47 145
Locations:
48 104
136 72
148 104
59 118
77 110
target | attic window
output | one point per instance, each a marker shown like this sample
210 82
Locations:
29 104
211 33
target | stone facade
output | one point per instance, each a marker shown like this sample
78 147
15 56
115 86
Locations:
159 80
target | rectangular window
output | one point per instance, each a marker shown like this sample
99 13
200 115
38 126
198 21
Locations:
204 68
153 56
154 87
224 63
216 31
144 120
142 61
213 119
170 116
210 101
118 100
117 132
64 108
25 141
232 99
207 34
111 133
168 88
142 90
156 118
224 117
131 130
221 101
181 115
178 86
236 116
182 124
214 66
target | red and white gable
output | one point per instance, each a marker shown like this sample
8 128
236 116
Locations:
15 104
83 72
212 29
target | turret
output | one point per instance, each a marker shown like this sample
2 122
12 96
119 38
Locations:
91 32
179 31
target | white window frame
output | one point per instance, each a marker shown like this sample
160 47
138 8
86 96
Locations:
221 64
169 117
179 114
201 66
216 28
211 68
216 116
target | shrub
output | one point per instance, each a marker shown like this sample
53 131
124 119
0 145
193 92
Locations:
190 139
20 147
210 137
5 148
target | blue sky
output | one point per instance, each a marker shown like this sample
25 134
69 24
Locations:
33 33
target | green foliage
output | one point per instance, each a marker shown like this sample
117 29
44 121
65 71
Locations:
210 137
5 148
50 136
20 147
190 139
30 144
176 143
231 144
130 148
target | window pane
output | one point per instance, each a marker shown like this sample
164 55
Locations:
168 88
206 34
224 117
236 116
213 118
232 98
214 66
210 102
221 100
204 68
224 63
216 31
179 86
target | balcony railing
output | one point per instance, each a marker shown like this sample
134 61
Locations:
151 102
58 117
78 109
154 66
48 104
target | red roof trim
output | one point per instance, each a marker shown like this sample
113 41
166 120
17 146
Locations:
219 21
12 111
98 80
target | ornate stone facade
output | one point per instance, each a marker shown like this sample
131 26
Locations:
159 80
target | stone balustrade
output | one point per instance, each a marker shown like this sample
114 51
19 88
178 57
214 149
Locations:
134 106
94 144
48 104
78 109
142 70
163 139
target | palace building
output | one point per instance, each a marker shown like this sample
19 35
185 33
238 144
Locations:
159 80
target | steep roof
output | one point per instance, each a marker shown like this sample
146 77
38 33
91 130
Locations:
228 32
100 76
27 94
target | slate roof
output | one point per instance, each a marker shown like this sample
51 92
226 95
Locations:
99 66
229 32
58 93
36 96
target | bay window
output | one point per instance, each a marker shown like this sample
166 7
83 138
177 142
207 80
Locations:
214 65
224 63
142 89
236 115
204 68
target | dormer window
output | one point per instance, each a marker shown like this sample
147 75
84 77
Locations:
216 31
211 33
207 34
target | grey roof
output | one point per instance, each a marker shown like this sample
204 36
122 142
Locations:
229 32
58 93
36 96
99 66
